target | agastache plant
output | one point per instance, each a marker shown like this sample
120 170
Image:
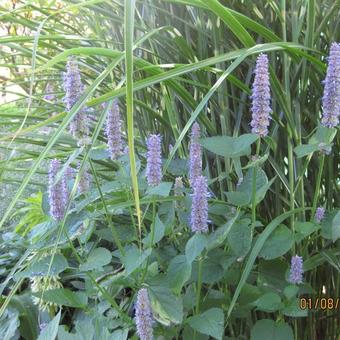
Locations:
144 318
154 160
113 131
74 88
296 269
195 154
261 98
58 194
331 95
199 209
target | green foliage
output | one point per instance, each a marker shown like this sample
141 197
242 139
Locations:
169 64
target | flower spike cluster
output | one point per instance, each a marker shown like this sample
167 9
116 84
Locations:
73 90
195 154
261 97
144 318
58 194
319 214
154 160
296 269
199 210
113 131
331 95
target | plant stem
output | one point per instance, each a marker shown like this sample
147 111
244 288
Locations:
199 285
317 186
253 199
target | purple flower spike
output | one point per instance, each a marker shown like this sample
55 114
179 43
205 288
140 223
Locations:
296 269
154 160
261 97
73 90
199 210
144 318
58 194
195 154
331 95
113 131
319 214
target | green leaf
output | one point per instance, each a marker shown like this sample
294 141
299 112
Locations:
51 330
269 329
227 146
159 233
9 322
336 227
254 253
167 307
41 268
293 309
219 235
243 195
179 272
195 246
290 291
133 258
162 189
269 302
210 322
323 135
64 297
304 229
278 243
99 257
305 149
240 237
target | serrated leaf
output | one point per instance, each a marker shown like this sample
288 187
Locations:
98 257
269 302
133 258
179 272
230 146
167 307
41 267
159 233
210 322
64 297
162 189
336 227
240 237
195 246
269 329
278 243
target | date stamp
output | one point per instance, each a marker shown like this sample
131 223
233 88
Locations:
323 303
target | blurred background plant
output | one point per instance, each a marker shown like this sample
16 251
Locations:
177 62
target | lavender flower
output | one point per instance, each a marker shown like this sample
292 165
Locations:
195 154
84 182
199 210
57 192
144 318
331 95
154 161
319 214
261 97
296 270
113 131
73 90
